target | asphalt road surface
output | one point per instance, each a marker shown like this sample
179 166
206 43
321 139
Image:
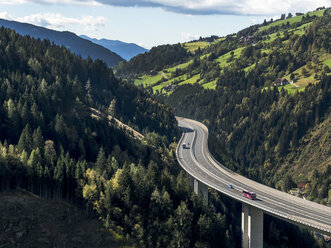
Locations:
200 164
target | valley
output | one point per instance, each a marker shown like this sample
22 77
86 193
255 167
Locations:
89 145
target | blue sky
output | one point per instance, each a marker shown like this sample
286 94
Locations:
151 22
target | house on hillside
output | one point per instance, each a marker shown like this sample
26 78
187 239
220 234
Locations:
248 40
299 14
152 73
169 87
281 82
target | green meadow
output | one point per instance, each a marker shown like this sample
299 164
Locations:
222 60
148 80
211 85
292 20
193 46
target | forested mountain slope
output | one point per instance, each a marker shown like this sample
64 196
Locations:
310 162
52 146
157 58
70 40
255 132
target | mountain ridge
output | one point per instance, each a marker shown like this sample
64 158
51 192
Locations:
125 50
70 40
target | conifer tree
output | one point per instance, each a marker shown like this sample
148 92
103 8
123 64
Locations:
38 139
101 163
25 142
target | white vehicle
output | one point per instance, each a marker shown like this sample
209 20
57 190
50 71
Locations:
186 146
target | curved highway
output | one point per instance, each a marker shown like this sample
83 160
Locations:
199 163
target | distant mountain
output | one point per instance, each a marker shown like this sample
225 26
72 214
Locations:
74 43
125 50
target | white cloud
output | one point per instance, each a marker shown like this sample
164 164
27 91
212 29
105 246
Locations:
236 7
188 37
5 15
59 22
46 2
201 7
12 2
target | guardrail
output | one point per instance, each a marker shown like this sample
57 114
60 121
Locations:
268 210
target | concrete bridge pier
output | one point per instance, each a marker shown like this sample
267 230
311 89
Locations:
251 227
200 188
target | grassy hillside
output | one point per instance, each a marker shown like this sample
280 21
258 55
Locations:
194 46
30 221
292 20
251 46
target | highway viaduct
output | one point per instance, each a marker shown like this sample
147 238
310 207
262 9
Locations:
206 172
